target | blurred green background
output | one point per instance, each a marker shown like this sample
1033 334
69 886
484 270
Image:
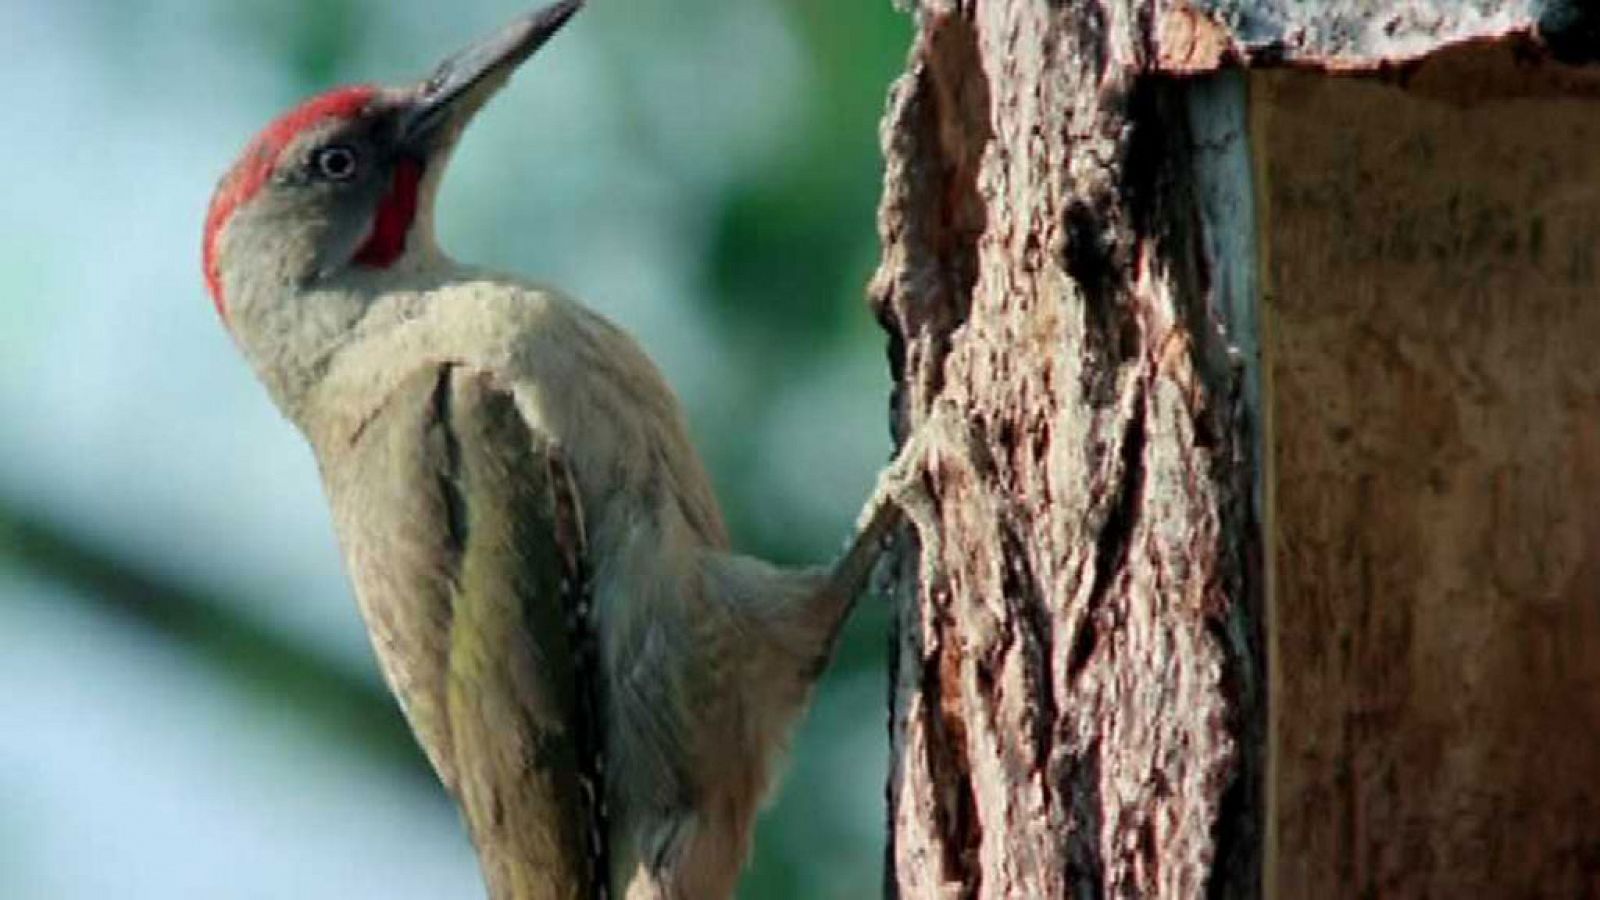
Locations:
189 706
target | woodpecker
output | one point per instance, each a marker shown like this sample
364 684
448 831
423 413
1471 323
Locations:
597 679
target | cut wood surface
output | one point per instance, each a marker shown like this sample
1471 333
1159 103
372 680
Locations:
1431 319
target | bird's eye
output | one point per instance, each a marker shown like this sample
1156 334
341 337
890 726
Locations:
335 163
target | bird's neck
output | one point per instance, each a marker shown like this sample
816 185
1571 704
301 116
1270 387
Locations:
289 341
291 332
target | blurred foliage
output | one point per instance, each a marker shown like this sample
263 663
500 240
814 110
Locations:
266 668
794 244
315 39
787 262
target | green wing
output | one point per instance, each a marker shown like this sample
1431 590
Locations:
463 535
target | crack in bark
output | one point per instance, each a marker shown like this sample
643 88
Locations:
1031 614
1116 534
955 805
1082 788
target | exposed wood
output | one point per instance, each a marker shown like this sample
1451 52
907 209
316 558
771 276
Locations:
294 683
1431 305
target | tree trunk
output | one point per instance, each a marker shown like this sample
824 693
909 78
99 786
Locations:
1255 364
1075 700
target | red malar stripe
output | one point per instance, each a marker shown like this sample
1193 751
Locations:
392 226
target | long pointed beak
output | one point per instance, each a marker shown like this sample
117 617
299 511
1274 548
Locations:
460 86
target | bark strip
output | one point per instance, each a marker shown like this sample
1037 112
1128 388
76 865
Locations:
1070 690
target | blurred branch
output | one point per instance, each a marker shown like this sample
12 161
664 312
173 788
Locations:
251 657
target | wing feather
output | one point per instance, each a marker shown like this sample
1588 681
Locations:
463 534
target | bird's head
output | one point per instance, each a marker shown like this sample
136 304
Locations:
343 183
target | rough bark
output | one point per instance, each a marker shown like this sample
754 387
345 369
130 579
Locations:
1071 688
1345 301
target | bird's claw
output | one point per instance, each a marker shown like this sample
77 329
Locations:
905 483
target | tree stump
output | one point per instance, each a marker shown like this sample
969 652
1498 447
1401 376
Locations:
1271 563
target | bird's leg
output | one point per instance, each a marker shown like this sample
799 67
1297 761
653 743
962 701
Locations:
902 494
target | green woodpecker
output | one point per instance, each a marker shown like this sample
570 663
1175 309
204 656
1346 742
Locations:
545 575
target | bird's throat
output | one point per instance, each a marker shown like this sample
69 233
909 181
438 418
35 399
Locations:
392 225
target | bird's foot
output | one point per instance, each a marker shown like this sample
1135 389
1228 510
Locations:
905 484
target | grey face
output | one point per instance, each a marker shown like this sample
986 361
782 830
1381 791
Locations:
322 201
